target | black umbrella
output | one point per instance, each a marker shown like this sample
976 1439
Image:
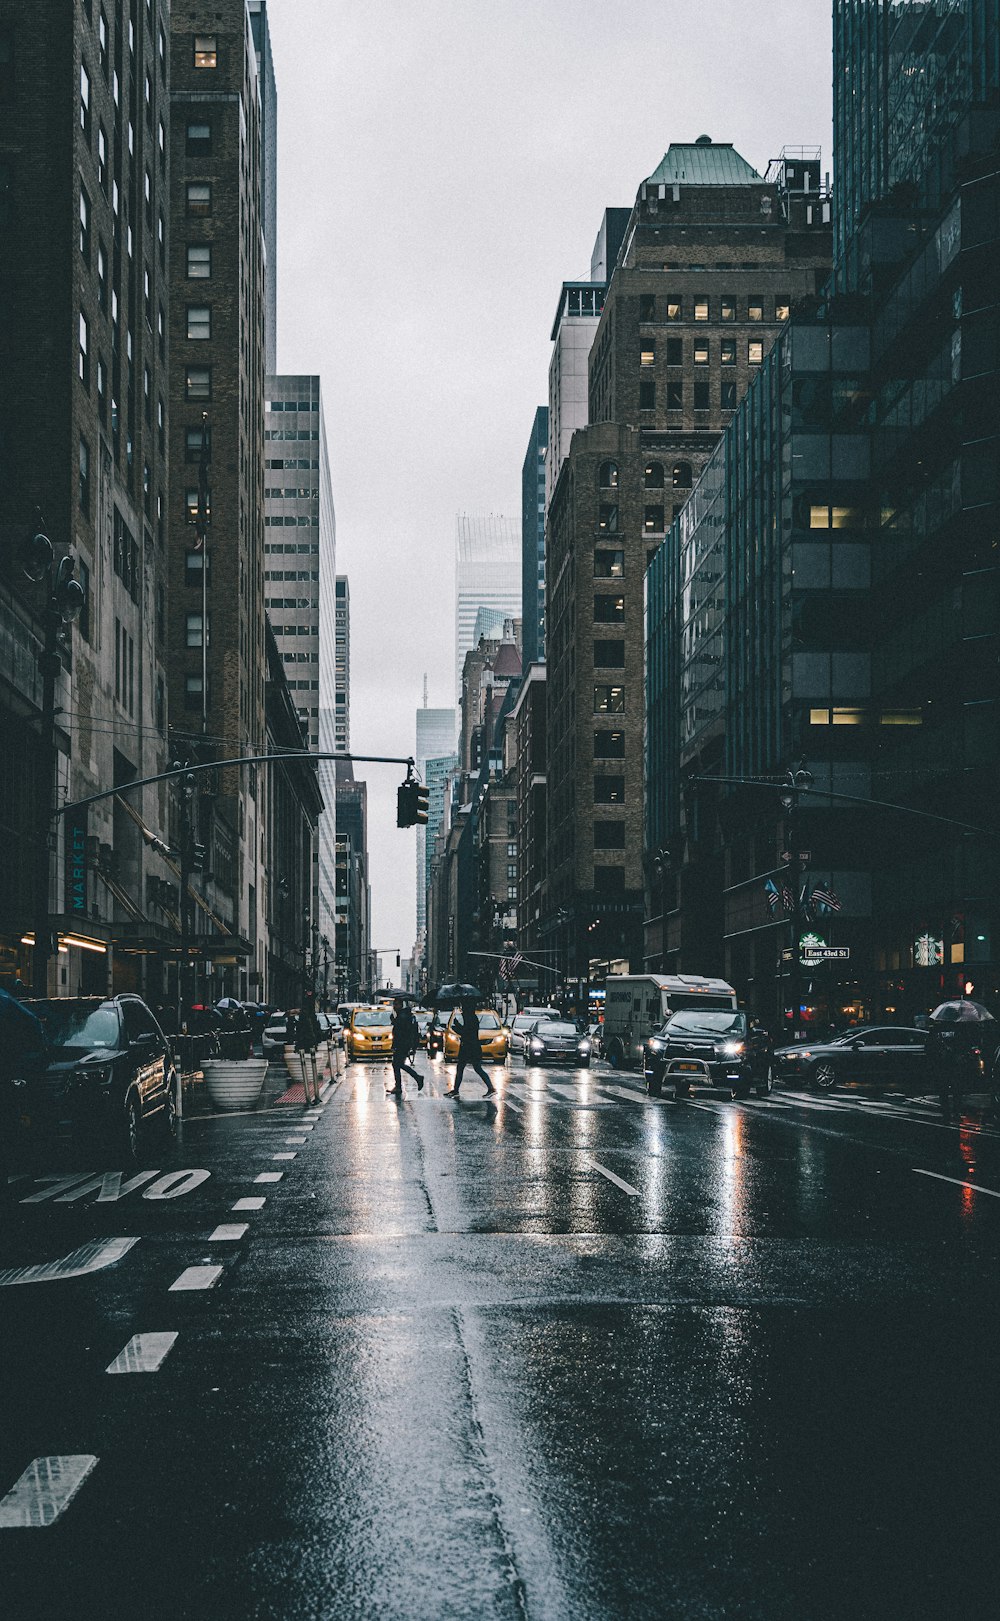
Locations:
962 1011
448 995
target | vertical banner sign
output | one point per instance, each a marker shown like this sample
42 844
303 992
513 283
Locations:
75 835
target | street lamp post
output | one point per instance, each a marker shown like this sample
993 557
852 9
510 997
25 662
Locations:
795 783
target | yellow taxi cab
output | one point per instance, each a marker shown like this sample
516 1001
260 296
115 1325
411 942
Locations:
369 1033
494 1037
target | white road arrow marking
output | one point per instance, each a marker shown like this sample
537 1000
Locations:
46 1488
92 1257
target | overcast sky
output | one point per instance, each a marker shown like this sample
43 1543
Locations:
443 166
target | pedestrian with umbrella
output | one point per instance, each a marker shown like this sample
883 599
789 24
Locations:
469 1050
960 1035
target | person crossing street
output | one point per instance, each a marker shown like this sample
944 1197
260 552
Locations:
470 1051
405 1041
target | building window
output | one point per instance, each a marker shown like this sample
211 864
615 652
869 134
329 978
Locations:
608 609
609 700
675 396
727 309
199 261
608 565
84 483
607 518
729 351
161 425
674 309
102 159
199 140
198 382
83 623
85 100
206 50
607 477
83 357
609 835
194 562
199 322
701 309
652 521
647 395
102 40
101 393
681 476
609 745
701 354
192 443
199 197
161 141
701 396
192 692
147 197
192 631
755 310
161 332
84 226
647 306
755 351
191 506
609 790
675 351
609 655
652 476
826 517
728 396
647 354
782 307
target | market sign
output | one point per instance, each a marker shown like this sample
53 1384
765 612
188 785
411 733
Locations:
75 861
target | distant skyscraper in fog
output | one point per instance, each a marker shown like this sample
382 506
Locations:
487 575
436 729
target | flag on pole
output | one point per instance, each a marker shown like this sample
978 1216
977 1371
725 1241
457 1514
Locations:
826 898
773 897
787 899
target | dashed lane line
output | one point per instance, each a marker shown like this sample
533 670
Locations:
228 1232
269 1176
957 1182
626 1187
289 1155
197 1277
250 1204
45 1490
144 1353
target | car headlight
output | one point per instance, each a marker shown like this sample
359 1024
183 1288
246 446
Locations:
537 1046
583 1047
733 1049
92 1075
655 1046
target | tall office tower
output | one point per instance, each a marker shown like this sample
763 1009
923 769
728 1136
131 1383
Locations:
300 571
533 538
342 689
83 421
713 258
353 887
487 575
268 176
216 623
435 739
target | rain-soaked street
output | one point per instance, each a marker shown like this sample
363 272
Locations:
575 1354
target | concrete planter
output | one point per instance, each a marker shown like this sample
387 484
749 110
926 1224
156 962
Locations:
293 1064
235 1083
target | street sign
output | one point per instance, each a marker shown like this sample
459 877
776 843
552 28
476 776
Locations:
827 954
805 856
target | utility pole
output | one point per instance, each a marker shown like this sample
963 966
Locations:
795 783
185 907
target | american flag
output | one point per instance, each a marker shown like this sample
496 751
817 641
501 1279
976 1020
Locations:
508 965
773 897
826 898
787 899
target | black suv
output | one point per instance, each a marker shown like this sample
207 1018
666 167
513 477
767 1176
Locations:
714 1045
106 1076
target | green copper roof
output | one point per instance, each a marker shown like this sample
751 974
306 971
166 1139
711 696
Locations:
704 163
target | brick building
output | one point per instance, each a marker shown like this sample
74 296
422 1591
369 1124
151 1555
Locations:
713 259
216 320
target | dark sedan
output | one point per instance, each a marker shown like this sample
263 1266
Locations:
106 1076
879 1054
556 1041
716 1046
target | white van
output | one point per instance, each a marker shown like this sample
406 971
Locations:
637 1004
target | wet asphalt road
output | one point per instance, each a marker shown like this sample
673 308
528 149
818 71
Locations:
576 1355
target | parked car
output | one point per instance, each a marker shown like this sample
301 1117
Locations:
106 1078
883 1055
274 1035
523 1022
720 1047
494 1037
423 1018
557 1041
369 1033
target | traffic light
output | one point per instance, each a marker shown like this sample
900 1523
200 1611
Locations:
406 804
421 803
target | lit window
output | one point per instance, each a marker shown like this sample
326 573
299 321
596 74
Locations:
609 745
206 50
729 351
755 310
609 790
607 519
681 476
901 717
608 565
848 717
608 609
701 354
647 354
701 309
652 476
755 352
673 309
199 197
727 309
782 307
191 506
607 477
609 700
199 260
819 717
652 521
199 321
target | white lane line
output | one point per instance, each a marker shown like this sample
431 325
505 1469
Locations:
46 1488
625 1092
282 1156
299 1142
91 1257
626 1187
957 1182
144 1353
228 1232
249 1204
269 1176
508 1103
197 1277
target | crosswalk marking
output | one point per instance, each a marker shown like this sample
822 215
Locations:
144 1353
197 1277
45 1490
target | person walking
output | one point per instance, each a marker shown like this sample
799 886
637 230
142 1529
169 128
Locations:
469 1051
405 1041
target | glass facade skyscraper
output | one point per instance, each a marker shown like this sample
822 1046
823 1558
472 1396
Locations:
533 539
